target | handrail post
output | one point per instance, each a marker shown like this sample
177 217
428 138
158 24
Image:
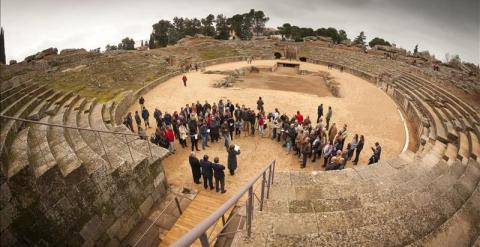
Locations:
204 240
249 209
269 181
263 190
129 150
273 171
178 205
104 150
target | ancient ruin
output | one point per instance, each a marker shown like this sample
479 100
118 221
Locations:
73 175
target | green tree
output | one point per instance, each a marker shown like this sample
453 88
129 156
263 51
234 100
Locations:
221 24
2 47
126 44
360 39
286 30
378 41
259 22
160 34
208 29
235 22
109 47
342 35
151 42
192 26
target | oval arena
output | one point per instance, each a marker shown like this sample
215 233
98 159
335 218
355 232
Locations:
76 171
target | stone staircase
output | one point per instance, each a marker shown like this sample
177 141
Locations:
65 186
427 198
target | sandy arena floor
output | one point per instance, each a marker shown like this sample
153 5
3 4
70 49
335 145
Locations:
364 108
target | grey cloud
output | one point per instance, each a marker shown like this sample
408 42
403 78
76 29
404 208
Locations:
440 26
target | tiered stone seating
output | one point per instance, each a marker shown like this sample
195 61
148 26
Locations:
415 199
57 184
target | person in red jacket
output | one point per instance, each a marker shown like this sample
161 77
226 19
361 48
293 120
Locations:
184 79
299 118
170 136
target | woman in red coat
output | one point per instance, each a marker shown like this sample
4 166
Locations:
170 136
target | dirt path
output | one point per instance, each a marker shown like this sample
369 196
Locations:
364 108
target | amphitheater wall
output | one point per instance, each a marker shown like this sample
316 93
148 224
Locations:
79 209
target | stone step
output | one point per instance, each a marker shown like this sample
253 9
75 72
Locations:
9 100
373 223
115 142
91 139
4 93
475 145
41 157
18 153
91 160
56 105
65 156
407 181
39 111
21 100
464 148
9 128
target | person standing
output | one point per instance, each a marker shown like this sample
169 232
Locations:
183 134
307 148
207 172
329 116
319 112
332 132
261 123
138 120
358 149
170 136
299 118
141 101
145 116
204 135
129 121
377 151
184 79
232 159
195 165
328 151
192 127
219 174
260 104
226 134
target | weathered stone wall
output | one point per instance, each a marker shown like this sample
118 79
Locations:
80 209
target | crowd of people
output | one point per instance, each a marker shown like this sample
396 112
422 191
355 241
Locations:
208 123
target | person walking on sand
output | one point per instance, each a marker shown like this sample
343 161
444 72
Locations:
358 149
319 112
138 120
329 116
145 116
195 165
219 174
232 159
184 79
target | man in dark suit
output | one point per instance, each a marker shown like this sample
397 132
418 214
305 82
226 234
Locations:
207 172
319 112
219 174
195 165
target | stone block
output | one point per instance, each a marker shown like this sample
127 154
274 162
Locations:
113 230
7 238
122 207
7 215
146 206
159 180
92 230
5 195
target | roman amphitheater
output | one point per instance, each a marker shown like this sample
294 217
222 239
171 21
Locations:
73 175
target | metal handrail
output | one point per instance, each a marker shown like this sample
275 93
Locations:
175 199
66 126
95 131
200 231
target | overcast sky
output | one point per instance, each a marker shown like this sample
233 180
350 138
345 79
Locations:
439 26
